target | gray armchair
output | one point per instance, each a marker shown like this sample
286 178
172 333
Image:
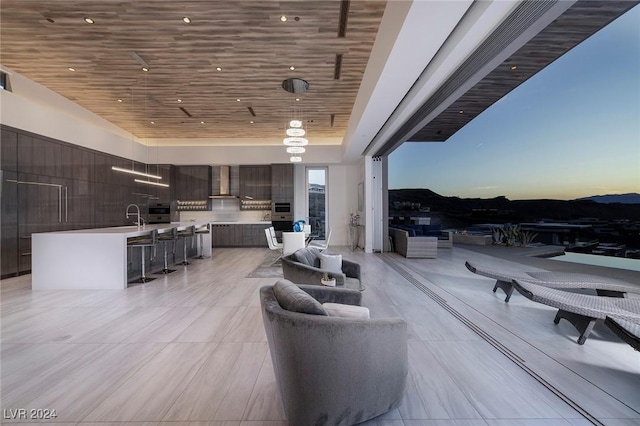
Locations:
334 370
303 267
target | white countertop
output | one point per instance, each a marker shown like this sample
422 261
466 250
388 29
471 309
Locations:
257 222
132 230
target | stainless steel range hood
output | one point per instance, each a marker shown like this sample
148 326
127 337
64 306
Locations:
224 185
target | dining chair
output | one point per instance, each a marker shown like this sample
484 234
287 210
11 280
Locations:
320 245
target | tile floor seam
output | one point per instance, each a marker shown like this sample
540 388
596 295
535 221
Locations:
517 361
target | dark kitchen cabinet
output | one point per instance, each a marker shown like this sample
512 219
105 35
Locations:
255 182
79 204
192 182
254 236
77 163
9 151
226 235
39 156
9 223
237 235
282 183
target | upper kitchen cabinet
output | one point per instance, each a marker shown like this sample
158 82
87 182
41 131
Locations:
9 150
192 187
77 163
255 182
282 183
39 156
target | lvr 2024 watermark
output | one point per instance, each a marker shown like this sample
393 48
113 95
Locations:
28 414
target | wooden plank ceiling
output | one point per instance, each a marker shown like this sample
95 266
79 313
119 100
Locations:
246 39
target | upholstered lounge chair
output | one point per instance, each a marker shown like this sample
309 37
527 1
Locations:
303 267
504 276
332 370
581 310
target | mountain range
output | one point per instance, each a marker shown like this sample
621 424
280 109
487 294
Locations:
630 198
459 211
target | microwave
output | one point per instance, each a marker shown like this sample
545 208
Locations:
279 208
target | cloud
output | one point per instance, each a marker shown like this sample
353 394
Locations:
482 188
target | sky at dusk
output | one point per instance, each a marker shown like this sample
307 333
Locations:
572 130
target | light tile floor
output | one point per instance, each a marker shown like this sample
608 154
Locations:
189 349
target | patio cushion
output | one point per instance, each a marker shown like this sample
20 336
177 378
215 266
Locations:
291 298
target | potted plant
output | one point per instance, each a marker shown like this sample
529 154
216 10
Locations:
327 280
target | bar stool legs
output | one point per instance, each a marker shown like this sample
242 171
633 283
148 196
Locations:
143 278
200 232
144 242
166 269
185 234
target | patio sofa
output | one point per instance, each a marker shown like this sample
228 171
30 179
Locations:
332 370
413 247
445 238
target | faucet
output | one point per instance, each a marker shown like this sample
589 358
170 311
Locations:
137 222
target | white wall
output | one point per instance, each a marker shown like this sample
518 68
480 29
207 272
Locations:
242 154
34 108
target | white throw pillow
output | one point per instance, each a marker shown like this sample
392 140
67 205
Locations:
331 262
346 311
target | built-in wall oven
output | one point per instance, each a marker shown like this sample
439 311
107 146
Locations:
162 213
281 208
281 218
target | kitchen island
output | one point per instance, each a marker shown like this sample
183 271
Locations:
90 258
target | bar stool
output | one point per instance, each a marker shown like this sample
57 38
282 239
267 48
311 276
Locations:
165 238
201 232
188 232
144 242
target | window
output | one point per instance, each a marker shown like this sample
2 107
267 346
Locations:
317 201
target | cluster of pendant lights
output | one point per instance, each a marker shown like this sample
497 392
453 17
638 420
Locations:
295 140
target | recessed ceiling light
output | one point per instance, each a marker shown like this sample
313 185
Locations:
514 67
460 112
119 100
71 69
88 20
297 99
292 68
283 18
179 100
186 20
202 122
251 122
219 68
145 69
153 122
238 99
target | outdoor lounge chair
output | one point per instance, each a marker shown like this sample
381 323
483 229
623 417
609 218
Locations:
626 330
504 276
581 310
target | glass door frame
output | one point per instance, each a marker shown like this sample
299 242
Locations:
326 198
